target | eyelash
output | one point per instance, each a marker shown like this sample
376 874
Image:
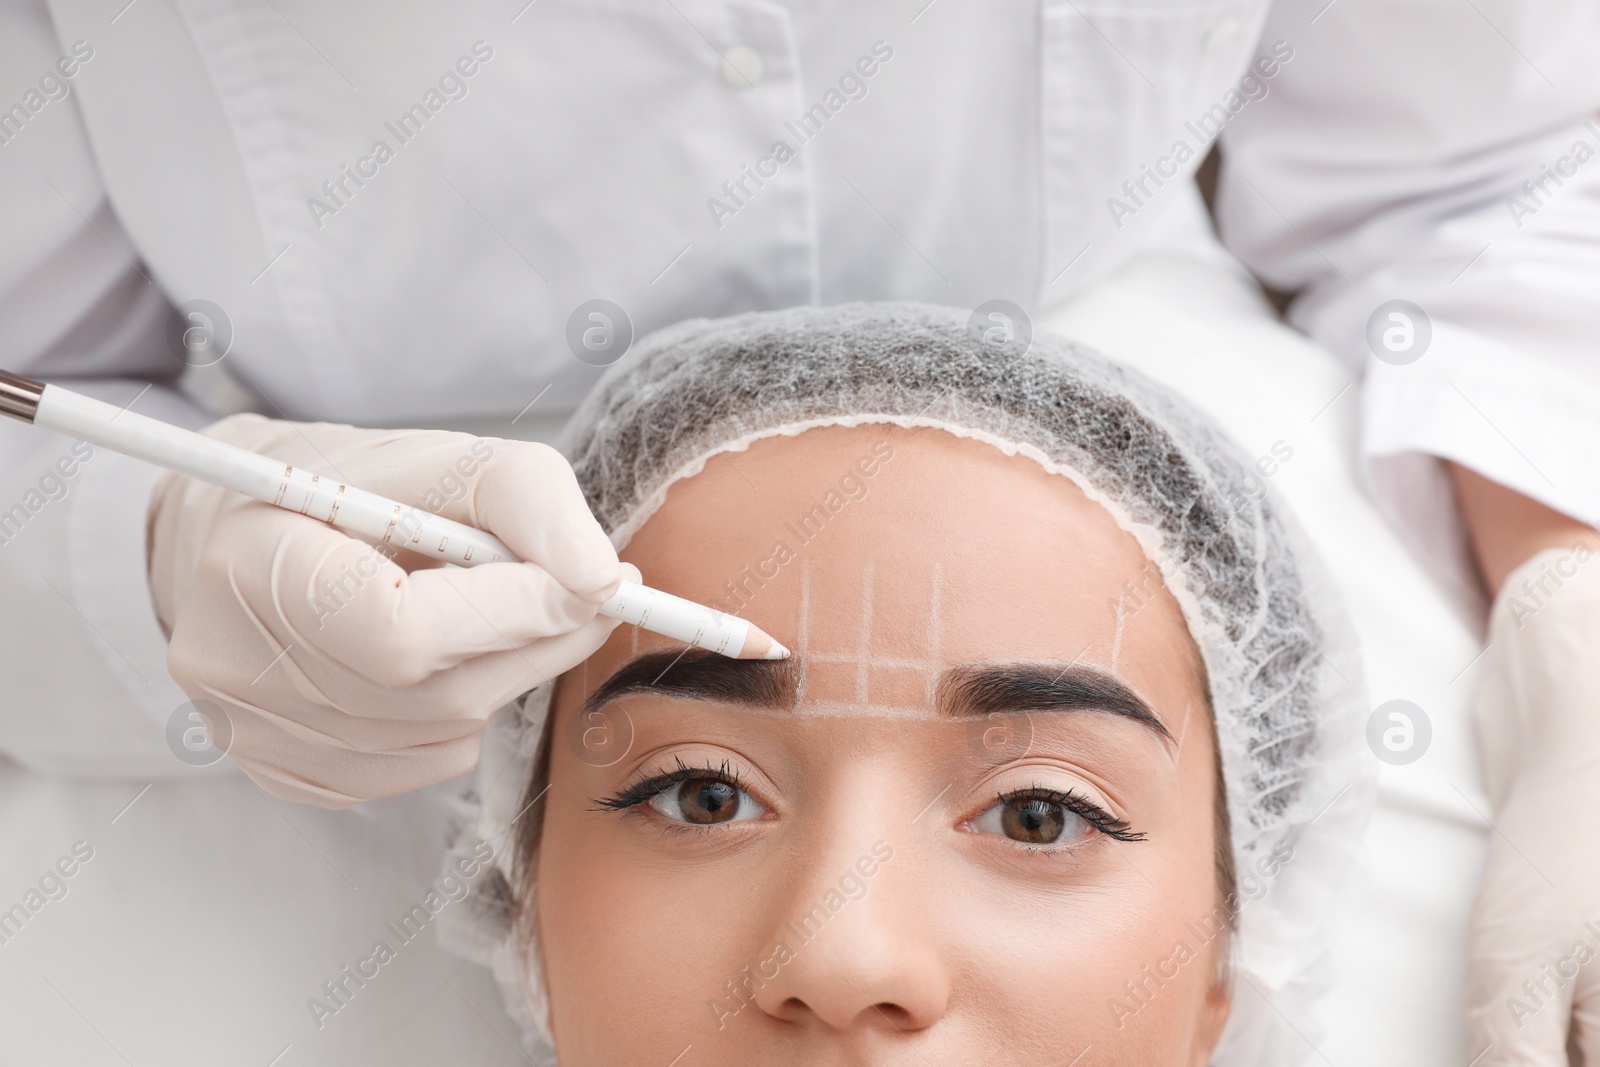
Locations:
646 789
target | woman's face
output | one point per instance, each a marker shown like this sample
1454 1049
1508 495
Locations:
971 821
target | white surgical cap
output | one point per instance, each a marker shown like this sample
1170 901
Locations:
1281 661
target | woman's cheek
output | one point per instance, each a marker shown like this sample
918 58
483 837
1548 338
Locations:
634 935
1124 972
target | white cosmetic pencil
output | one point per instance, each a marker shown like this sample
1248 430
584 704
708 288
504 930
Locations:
352 509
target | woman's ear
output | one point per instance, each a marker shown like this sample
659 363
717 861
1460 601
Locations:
1213 1016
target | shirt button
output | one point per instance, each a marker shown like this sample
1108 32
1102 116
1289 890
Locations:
1223 32
742 66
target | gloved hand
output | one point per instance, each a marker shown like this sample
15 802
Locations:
347 675
1534 944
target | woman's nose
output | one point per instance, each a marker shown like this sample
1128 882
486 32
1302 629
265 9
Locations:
862 953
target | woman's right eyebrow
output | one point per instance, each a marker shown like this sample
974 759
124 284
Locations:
975 690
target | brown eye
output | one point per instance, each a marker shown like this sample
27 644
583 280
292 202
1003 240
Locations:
1034 820
707 800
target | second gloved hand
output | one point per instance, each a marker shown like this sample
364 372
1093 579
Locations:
1534 944
345 674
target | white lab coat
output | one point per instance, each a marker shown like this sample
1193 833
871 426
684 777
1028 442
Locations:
535 159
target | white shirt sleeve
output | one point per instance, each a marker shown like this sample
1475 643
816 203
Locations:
82 656
1445 154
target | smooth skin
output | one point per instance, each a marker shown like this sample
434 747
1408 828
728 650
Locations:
1507 529
946 925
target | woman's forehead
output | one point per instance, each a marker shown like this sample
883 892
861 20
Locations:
886 555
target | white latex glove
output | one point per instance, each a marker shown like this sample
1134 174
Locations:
347 675
1537 917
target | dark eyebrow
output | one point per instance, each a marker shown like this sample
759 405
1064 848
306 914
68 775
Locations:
971 690
700 675
978 689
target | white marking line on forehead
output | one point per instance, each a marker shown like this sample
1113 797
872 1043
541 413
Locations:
1116 640
864 642
877 661
1183 730
803 640
935 629
844 709
862 658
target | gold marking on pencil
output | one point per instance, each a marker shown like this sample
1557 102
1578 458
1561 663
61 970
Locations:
283 487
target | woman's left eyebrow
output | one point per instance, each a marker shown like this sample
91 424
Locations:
977 689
